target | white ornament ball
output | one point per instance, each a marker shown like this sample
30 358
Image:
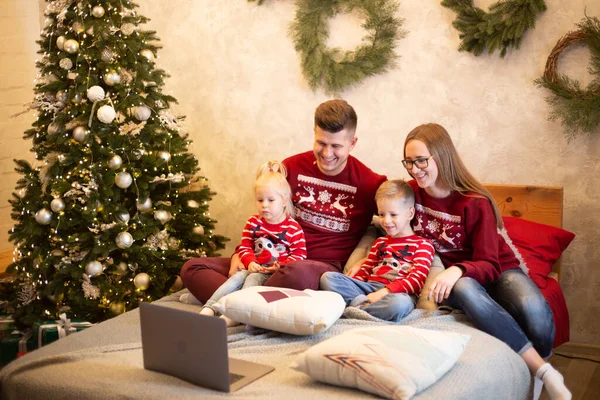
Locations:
60 42
198 230
127 28
123 180
141 113
193 204
98 11
162 216
164 155
95 93
142 281
71 46
123 216
53 128
111 78
93 268
106 114
43 216
115 162
80 133
65 63
148 54
124 240
144 205
78 27
57 205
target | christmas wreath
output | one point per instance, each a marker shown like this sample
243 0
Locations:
578 108
500 28
333 68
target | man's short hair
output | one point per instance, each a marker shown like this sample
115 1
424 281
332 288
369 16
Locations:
334 115
396 189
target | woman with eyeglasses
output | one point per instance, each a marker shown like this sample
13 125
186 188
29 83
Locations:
482 275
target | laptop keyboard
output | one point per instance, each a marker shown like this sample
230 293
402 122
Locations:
233 378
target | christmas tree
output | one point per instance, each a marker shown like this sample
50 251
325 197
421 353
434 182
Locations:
115 205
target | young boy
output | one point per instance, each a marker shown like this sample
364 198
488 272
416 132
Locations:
388 284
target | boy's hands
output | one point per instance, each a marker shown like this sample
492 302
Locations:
269 270
378 295
255 267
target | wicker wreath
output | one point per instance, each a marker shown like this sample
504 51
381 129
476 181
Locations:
577 108
500 28
335 69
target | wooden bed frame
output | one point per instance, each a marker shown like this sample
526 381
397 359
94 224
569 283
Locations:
542 204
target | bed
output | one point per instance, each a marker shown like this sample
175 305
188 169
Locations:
105 361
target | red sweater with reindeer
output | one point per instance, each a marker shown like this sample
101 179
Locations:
265 243
334 211
402 264
463 230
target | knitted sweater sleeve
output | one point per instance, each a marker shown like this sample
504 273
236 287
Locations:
246 247
415 280
371 262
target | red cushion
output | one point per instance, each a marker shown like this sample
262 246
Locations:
556 300
540 245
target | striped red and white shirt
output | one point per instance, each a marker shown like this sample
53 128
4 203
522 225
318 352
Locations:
402 264
265 243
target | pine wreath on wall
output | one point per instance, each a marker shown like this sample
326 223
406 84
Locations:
500 28
333 68
577 108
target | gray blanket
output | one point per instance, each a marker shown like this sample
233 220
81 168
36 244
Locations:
105 362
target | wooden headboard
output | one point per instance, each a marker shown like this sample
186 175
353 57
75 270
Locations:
542 204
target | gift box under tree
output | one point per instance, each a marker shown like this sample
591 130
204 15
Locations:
15 345
50 331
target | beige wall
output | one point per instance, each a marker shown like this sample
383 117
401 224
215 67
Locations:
238 81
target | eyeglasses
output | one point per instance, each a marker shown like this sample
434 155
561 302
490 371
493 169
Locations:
419 162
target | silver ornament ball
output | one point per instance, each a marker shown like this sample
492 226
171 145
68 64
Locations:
127 28
95 93
61 96
142 281
65 63
98 11
71 46
124 240
141 113
123 216
162 216
43 216
107 55
111 78
60 42
80 133
198 230
123 180
115 162
144 205
57 205
148 54
164 155
93 268
53 128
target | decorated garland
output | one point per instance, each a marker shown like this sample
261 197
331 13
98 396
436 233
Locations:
335 69
579 109
502 27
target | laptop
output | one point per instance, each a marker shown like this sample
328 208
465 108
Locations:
193 347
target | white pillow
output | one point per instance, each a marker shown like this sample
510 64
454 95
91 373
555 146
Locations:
394 362
284 310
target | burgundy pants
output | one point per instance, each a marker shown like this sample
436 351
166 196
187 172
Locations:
202 276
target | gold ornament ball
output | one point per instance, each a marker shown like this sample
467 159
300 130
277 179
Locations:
80 133
98 11
117 307
199 230
193 204
57 205
107 55
43 216
144 205
123 180
177 285
111 78
124 240
148 54
60 42
162 216
142 281
57 253
77 98
115 162
173 243
93 268
78 27
53 128
123 266
56 298
71 46
164 155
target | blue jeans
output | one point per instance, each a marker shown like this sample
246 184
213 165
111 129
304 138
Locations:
392 307
240 280
512 309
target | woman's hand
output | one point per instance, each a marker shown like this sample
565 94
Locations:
355 268
378 295
235 265
443 283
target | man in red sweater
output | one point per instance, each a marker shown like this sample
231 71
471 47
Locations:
334 199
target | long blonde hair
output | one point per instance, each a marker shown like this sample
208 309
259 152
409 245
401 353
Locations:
451 171
273 174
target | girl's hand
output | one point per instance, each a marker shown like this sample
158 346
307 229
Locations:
378 295
443 284
255 267
269 270
235 265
